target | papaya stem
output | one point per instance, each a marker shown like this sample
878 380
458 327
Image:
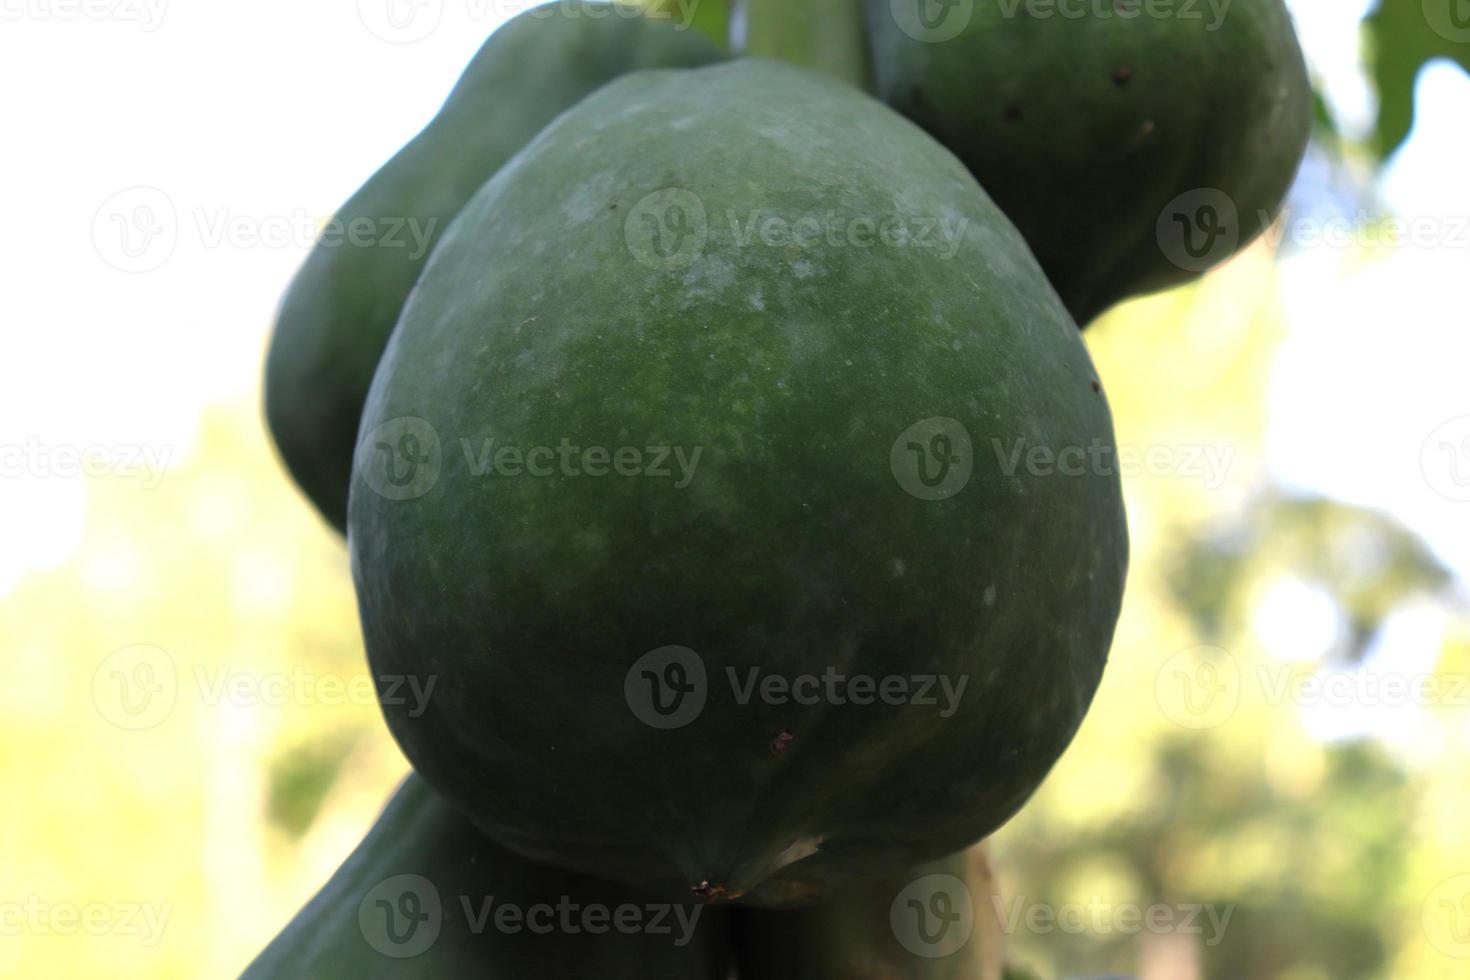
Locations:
826 36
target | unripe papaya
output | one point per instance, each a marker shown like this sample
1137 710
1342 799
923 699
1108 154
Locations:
747 489
1133 144
342 306
426 895
934 922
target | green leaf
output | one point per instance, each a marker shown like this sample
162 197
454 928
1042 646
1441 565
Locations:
1404 36
709 17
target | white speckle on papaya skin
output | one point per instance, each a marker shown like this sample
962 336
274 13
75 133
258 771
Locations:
586 202
990 595
706 279
802 268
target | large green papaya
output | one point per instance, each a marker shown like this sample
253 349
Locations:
1133 144
427 895
935 922
746 488
343 304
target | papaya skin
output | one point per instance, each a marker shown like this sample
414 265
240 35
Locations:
340 309
569 306
1085 129
934 922
347 930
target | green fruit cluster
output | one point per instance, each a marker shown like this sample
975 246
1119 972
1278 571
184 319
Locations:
1135 146
733 472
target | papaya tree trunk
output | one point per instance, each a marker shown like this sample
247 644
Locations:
826 36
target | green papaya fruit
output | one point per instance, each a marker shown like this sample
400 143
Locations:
1134 145
735 379
426 895
935 922
341 307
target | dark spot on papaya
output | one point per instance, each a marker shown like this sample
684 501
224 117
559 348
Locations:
613 206
782 740
1012 114
1122 77
1097 386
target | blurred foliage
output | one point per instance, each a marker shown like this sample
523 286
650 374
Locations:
709 17
223 813
1404 35
1368 563
1307 850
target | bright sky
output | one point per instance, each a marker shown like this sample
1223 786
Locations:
227 131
